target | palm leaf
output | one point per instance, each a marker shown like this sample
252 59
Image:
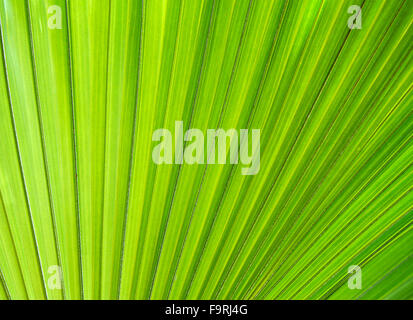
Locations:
79 189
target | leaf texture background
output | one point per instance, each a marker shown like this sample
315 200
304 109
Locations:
79 189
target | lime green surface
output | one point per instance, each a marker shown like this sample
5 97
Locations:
79 189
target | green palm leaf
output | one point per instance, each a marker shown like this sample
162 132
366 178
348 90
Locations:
81 98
